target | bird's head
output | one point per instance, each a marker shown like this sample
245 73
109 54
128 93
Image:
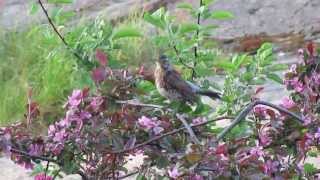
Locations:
163 62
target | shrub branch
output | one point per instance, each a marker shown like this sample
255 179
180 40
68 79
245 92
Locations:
57 31
248 109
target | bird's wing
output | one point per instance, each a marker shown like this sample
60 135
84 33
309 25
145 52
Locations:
175 81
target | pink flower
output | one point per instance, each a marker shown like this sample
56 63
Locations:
270 167
96 103
315 77
158 130
196 177
297 85
307 120
43 176
317 134
287 103
174 173
198 120
75 99
147 123
293 69
260 111
257 151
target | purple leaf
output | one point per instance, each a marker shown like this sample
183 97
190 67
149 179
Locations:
101 57
98 74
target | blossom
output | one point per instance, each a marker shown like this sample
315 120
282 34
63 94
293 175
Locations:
293 69
174 173
264 137
75 99
270 167
60 136
36 149
315 77
317 134
287 103
260 111
96 103
198 120
43 176
147 123
257 151
196 177
157 130
307 120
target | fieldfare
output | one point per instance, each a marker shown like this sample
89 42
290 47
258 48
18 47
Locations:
171 85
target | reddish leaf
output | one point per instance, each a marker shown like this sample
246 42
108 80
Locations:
311 48
85 92
221 149
98 74
259 89
141 70
101 57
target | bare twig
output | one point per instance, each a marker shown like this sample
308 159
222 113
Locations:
197 37
23 153
167 134
247 110
128 175
237 120
57 31
181 60
135 103
281 109
188 128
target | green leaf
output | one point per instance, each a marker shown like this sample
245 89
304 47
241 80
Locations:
208 2
189 27
275 78
141 177
60 1
125 32
34 8
309 168
184 5
277 67
226 65
220 14
154 20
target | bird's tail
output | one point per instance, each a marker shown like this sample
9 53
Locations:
211 94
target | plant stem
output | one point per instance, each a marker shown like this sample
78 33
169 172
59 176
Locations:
57 31
197 37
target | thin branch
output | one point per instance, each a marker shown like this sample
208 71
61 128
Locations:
23 153
57 31
128 175
247 110
237 120
180 59
189 129
46 171
133 103
281 109
197 36
168 134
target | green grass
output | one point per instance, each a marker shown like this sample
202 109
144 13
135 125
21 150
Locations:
34 58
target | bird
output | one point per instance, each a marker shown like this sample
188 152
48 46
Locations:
172 86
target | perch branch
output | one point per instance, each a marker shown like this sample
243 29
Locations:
248 109
197 37
189 129
168 134
56 30
130 102
23 153
128 175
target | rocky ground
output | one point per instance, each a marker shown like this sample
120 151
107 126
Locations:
287 23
